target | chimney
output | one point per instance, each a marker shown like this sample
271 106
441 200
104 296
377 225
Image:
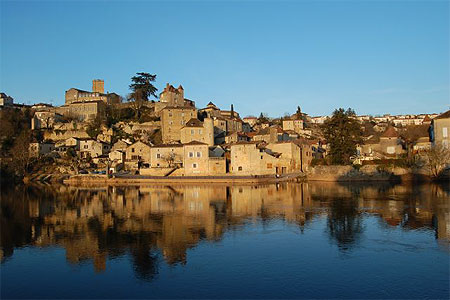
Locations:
232 111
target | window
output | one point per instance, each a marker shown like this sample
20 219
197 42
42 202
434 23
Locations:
192 131
170 122
261 157
170 114
158 155
199 154
132 150
239 168
191 154
269 166
194 166
199 131
391 150
444 132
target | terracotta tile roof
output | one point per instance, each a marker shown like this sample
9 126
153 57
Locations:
445 115
167 146
193 143
390 133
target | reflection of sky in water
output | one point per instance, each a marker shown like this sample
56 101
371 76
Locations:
329 242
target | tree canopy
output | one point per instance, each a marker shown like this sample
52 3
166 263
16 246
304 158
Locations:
342 132
142 87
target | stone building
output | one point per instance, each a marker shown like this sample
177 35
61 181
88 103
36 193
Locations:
38 149
138 152
196 130
74 95
249 159
173 119
166 156
92 148
6 100
82 111
296 155
45 119
198 163
293 124
391 143
440 130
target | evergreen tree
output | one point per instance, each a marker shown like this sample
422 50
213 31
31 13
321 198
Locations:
141 89
342 132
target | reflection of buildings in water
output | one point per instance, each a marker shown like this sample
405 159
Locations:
96 224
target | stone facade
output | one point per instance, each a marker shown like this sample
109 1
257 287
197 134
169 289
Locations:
139 152
38 149
196 158
92 148
441 130
294 125
165 156
74 95
173 119
195 130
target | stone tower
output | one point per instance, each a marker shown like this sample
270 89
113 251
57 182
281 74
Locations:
208 125
98 86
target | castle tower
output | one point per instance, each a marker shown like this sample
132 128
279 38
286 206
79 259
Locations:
208 125
98 86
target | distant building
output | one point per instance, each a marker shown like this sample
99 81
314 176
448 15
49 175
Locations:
293 124
6 100
74 95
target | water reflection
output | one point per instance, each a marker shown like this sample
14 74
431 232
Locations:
144 222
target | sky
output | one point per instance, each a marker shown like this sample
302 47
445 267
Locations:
262 56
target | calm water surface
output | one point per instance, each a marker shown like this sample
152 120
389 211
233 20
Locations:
291 240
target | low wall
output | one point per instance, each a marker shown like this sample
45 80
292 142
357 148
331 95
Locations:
365 173
155 171
96 180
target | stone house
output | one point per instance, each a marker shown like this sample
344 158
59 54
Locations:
390 143
38 149
92 148
195 130
166 155
235 137
249 159
117 155
120 145
250 120
293 124
138 152
45 119
440 130
73 142
173 119
197 161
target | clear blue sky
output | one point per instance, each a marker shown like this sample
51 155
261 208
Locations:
262 56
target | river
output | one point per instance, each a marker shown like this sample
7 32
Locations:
289 240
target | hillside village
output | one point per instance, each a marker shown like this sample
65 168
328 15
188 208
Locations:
98 132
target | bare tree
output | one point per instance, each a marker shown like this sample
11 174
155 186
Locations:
170 159
438 158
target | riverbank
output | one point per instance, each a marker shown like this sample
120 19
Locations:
88 179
